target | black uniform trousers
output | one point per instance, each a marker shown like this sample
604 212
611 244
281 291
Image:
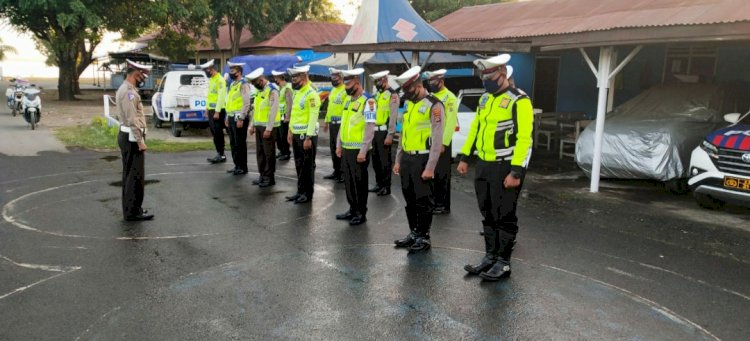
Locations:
304 162
281 141
497 203
442 182
133 176
355 180
333 133
217 129
417 193
265 152
381 160
238 142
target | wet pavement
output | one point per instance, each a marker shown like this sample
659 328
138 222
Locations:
226 260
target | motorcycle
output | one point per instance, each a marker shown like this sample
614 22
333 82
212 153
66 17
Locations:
32 105
14 95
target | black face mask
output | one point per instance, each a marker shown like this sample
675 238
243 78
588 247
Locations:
258 86
140 83
351 91
433 88
297 85
336 82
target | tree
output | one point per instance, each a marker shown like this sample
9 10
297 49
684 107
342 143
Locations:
70 30
5 49
266 17
177 26
431 10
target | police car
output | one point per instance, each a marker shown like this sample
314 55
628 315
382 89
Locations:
720 166
180 99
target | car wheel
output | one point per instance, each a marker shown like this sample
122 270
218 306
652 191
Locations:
677 186
157 121
176 132
707 201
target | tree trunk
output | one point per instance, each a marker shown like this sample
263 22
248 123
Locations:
65 85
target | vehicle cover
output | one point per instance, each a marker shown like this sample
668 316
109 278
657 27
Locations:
652 135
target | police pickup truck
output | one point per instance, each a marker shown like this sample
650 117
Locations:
720 166
180 99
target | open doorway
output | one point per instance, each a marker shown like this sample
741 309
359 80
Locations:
546 73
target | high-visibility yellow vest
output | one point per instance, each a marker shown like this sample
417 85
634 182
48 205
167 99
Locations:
451 113
336 99
217 88
234 98
417 127
282 98
305 111
502 128
262 105
384 107
353 122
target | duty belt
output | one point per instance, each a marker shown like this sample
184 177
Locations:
383 127
212 105
335 119
127 130
417 152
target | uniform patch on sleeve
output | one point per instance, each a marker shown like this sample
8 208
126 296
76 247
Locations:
436 114
312 103
504 103
371 112
131 96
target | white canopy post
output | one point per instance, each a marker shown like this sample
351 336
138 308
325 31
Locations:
414 58
603 75
350 60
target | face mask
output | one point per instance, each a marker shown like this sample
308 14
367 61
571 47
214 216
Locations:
491 85
433 87
141 82
296 85
209 74
335 82
351 91
410 95
258 86
380 86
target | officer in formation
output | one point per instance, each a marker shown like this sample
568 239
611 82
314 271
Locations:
266 122
442 183
417 157
332 121
132 141
238 105
353 145
387 101
500 134
303 135
286 94
217 89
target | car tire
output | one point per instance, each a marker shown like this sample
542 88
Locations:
677 186
176 132
707 201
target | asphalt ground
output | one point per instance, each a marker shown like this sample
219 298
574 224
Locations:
226 260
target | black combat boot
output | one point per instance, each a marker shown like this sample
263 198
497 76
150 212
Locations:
501 268
422 241
411 237
489 259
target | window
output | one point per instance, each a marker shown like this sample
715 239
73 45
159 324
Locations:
693 64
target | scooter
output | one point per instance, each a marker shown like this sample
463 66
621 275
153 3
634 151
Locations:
32 105
14 94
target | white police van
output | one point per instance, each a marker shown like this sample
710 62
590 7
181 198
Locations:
720 166
180 99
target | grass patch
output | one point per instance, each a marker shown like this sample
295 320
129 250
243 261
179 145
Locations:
98 136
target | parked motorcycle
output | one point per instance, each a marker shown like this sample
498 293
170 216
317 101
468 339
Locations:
32 105
14 95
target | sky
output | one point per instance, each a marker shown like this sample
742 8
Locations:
29 62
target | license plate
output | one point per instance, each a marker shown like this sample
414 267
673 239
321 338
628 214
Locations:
737 183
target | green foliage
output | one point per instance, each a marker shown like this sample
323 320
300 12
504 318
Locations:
176 25
432 10
99 136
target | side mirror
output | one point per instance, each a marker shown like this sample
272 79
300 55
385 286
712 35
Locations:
732 118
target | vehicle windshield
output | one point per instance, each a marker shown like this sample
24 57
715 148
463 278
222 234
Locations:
469 103
745 119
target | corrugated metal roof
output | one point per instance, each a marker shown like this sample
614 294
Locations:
305 34
553 17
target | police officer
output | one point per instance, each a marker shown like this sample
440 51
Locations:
217 88
387 104
132 141
353 145
238 104
332 121
303 132
417 157
500 134
286 94
442 183
266 122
